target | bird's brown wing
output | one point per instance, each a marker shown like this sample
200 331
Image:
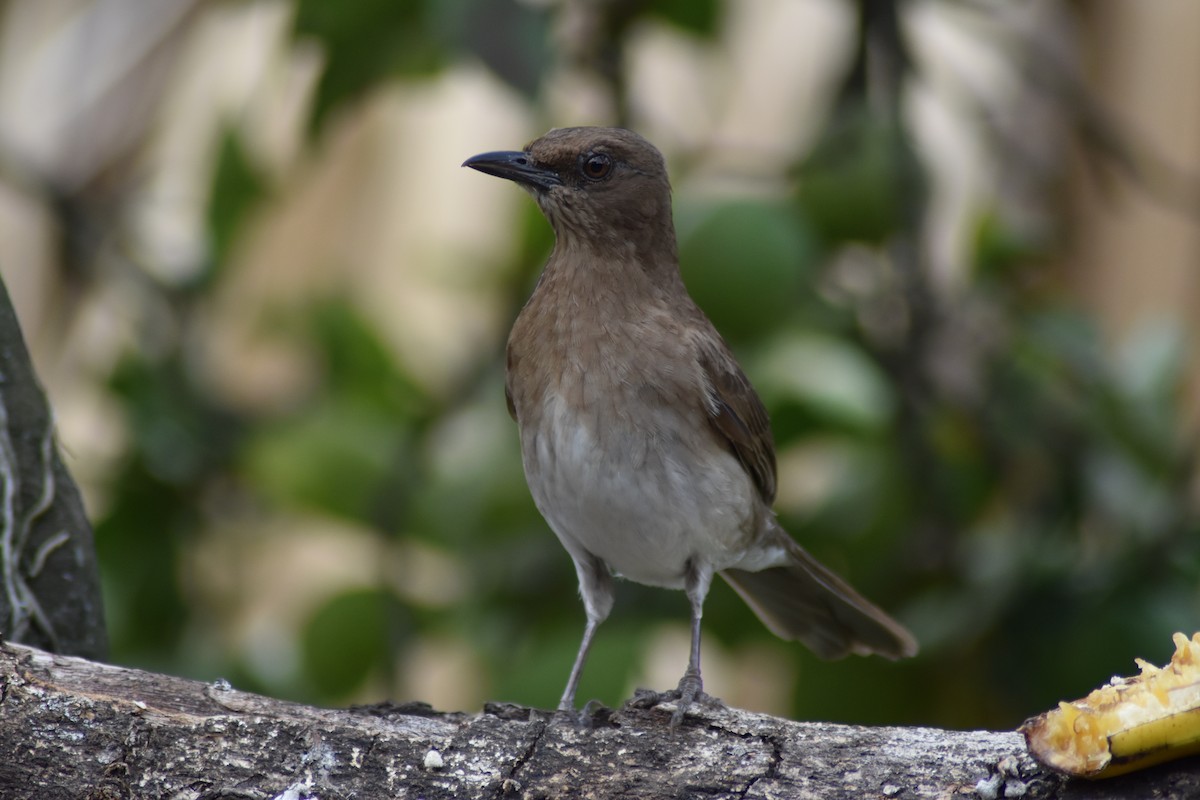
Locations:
798 599
512 408
508 372
738 416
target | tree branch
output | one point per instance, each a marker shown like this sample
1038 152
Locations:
49 580
71 728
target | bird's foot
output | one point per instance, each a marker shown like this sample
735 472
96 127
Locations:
689 692
594 714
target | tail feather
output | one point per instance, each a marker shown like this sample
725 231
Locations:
803 600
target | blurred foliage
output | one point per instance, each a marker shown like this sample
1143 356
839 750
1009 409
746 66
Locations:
769 276
347 639
851 186
369 43
180 443
237 188
346 451
695 16
990 472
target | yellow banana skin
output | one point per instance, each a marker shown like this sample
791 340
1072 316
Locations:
1164 739
1128 724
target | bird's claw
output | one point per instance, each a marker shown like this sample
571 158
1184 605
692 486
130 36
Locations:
646 698
689 692
594 714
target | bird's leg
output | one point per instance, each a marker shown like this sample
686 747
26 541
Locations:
595 586
691 686
567 703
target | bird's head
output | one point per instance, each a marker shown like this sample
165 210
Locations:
593 184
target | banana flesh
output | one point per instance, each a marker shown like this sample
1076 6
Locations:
1128 724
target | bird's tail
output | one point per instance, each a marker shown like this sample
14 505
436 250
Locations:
803 600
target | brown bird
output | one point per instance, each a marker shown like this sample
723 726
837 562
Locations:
644 445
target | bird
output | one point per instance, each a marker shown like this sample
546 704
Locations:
644 445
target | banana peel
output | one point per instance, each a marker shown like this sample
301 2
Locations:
1128 724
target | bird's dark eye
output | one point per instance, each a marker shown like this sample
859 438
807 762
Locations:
596 166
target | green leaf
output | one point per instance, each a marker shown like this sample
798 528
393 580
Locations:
335 458
695 16
359 364
138 542
854 186
237 187
346 640
511 37
1151 365
999 248
348 450
745 263
179 439
833 379
180 434
367 43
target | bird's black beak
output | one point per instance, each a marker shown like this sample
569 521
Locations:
514 166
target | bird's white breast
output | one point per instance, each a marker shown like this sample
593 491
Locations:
644 495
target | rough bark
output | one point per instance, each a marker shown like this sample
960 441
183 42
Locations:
49 580
70 728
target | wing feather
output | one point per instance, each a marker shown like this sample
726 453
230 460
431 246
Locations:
739 417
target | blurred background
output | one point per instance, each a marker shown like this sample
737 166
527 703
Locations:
954 243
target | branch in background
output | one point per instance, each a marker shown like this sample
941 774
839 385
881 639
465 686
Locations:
48 573
1106 140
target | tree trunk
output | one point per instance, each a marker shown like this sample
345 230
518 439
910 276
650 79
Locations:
70 728
49 580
